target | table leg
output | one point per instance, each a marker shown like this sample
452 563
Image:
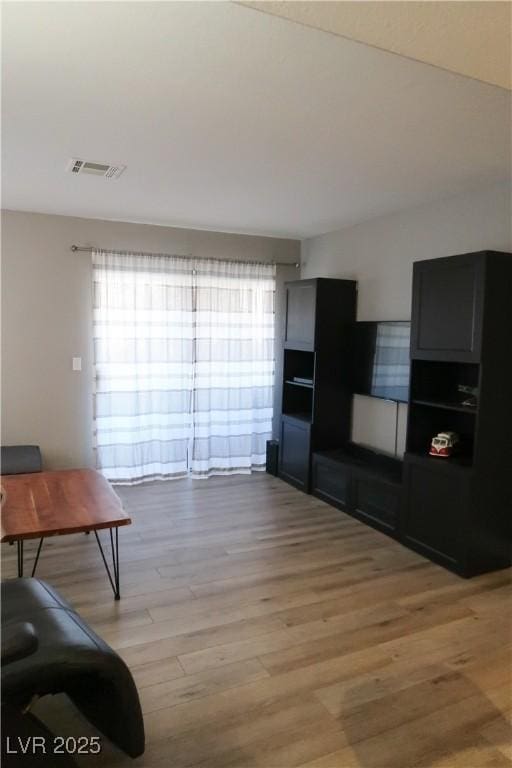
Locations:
20 557
115 559
37 556
114 543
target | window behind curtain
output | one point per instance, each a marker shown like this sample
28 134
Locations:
184 365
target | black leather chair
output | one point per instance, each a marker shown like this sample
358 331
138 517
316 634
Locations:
47 649
19 459
28 743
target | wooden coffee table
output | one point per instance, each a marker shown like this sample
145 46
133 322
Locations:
42 504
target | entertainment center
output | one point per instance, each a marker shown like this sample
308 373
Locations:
455 510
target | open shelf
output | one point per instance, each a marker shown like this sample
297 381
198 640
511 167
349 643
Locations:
304 418
426 421
458 460
299 384
297 401
298 395
436 383
446 406
436 406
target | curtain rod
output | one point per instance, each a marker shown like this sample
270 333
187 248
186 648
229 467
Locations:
90 249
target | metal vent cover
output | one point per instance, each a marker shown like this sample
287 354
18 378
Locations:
107 170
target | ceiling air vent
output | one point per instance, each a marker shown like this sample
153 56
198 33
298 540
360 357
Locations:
95 169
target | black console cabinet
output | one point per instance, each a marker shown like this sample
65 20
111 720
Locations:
331 478
362 482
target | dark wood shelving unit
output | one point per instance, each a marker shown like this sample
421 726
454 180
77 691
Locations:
320 314
457 510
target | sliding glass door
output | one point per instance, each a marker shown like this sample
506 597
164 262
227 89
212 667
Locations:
184 365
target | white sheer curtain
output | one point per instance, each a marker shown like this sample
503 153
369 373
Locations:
184 365
233 366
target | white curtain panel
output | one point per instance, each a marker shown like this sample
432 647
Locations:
184 365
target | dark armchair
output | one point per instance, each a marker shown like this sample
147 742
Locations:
48 649
20 459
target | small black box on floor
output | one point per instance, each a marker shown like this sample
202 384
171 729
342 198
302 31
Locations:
272 456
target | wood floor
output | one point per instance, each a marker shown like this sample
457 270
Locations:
265 628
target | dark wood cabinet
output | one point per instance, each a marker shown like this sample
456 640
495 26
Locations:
294 451
317 397
332 480
435 498
317 313
457 510
377 500
363 483
447 308
300 314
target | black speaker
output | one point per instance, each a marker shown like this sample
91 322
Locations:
272 457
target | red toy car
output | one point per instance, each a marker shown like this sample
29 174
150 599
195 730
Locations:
444 444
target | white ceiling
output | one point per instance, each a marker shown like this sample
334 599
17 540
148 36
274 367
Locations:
232 119
472 38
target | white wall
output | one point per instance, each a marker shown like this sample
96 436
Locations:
46 318
379 254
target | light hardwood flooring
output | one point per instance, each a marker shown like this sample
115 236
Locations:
266 628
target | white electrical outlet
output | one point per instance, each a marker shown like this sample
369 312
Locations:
77 363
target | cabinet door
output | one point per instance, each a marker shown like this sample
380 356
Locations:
447 308
377 501
435 507
294 453
300 315
331 481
